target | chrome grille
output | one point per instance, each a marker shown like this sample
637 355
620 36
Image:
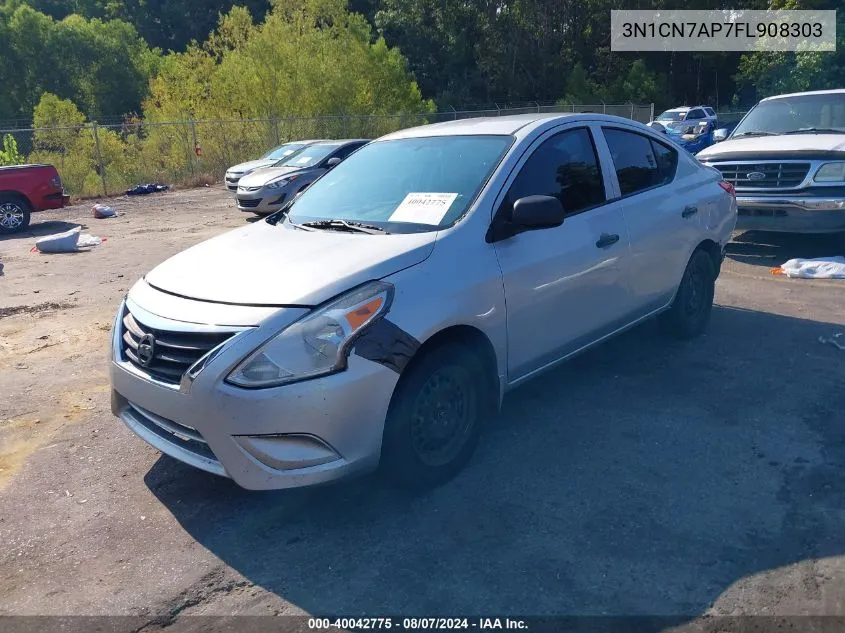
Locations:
172 352
778 175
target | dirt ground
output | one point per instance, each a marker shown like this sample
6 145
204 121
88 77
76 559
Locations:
646 477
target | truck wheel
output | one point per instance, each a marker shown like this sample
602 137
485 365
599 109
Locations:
14 215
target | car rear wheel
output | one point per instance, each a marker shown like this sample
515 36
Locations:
435 418
14 215
690 313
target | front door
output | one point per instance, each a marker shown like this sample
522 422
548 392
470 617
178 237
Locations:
564 286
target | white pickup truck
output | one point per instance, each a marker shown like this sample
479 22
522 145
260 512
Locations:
786 159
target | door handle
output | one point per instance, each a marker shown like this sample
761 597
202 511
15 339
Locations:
607 240
689 211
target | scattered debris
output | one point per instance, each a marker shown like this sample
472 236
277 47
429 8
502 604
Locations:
101 211
66 242
837 339
818 268
142 190
1 269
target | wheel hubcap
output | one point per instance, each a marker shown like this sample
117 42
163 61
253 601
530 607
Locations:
443 416
11 215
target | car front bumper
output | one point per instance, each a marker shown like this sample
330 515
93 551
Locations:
262 201
302 434
790 213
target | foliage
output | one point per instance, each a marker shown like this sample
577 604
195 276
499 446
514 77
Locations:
9 155
103 66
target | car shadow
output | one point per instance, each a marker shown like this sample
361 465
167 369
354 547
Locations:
760 248
40 229
644 477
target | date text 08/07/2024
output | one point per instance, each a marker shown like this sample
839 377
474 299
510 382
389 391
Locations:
417 624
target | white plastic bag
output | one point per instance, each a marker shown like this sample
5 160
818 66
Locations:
101 211
67 242
60 242
88 240
818 268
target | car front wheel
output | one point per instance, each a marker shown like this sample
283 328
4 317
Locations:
435 417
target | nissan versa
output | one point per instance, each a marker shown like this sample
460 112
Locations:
404 292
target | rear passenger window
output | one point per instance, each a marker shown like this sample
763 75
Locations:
667 162
637 167
565 167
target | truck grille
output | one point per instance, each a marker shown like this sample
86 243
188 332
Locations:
165 356
775 175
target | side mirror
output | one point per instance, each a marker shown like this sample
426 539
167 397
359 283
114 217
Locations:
720 135
334 161
537 212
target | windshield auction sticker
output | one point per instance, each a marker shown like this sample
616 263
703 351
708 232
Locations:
723 30
423 208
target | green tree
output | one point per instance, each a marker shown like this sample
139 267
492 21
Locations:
10 155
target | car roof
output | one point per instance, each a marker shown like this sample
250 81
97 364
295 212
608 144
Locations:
679 109
519 125
342 141
810 92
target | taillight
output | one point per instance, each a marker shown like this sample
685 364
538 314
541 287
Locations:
724 184
56 182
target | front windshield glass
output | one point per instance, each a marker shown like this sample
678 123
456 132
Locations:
284 151
671 116
404 185
824 112
310 156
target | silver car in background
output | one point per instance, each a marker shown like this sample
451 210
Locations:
274 156
265 190
404 292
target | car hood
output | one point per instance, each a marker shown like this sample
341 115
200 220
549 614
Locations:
797 145
279 265
251 165
261 177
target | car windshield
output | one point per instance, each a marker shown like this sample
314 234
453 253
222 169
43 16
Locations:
310 156
669 115
794 115
284 151
404 185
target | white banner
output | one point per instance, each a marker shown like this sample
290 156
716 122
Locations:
723 30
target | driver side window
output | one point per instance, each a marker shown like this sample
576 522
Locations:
566 167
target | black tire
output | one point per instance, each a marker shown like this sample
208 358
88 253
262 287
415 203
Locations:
14 215
428 436
689 314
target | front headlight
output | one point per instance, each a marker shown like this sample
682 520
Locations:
317 344
276 184
830 172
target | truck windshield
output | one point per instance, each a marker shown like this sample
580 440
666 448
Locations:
671 115
403 185
818 113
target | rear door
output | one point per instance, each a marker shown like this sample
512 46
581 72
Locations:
564 286
661 212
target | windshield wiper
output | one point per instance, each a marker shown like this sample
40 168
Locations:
816 130
756 133
344 225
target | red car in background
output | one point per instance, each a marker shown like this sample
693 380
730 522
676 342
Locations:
28 188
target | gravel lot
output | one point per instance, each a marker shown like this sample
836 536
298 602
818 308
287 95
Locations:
646 477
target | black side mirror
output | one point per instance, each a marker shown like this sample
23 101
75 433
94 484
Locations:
529 214
537 212
333 162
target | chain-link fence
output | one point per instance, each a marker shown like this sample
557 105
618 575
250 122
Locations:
96 159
